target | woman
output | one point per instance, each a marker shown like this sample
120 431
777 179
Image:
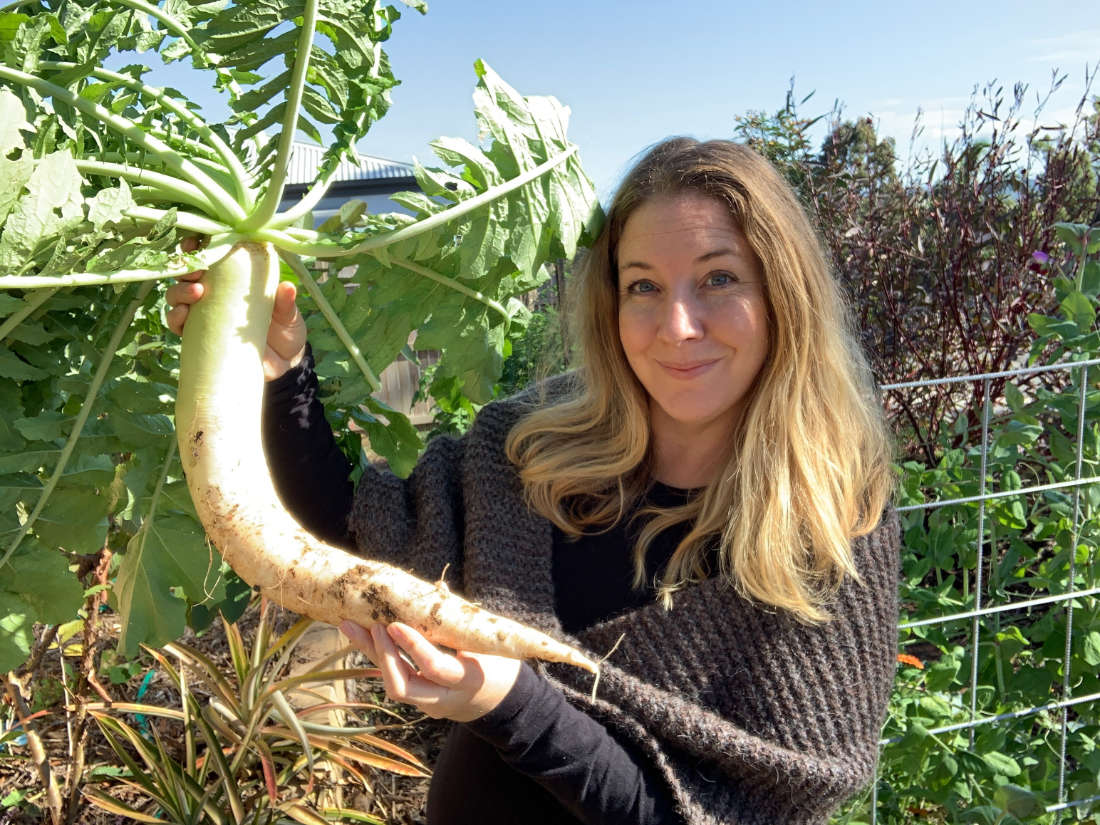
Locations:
706 498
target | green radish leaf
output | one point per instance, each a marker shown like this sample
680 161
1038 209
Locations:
44 583
14 365
17 487
46 592
52 203
16 630
46 426
109 205
169 553
143 430
396 439
456 286
75 519
13 121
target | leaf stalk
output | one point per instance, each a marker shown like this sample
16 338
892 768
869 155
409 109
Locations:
269 204
452 284
203 259
172 188
323 250
184 220
314 290
32 303
225 206
228 156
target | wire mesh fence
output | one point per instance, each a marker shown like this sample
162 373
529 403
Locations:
1000 607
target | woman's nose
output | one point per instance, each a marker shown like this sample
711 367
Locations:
683 320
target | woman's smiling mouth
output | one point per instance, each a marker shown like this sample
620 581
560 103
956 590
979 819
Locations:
689 369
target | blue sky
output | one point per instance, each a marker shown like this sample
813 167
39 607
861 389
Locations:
634 72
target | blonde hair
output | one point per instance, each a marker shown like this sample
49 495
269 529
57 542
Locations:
809 468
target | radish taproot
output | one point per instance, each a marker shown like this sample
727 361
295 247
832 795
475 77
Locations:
217 425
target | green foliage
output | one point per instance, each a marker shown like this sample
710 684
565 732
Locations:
235 750
1034 545
101 175
784 137
537 355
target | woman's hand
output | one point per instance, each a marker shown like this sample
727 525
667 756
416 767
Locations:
286 337
463 686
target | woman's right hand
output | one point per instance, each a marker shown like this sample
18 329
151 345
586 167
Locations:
286 337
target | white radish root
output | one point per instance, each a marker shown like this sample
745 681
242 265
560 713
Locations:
217 424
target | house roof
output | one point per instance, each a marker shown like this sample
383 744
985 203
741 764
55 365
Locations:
305 161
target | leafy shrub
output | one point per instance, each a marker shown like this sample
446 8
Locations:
1033 546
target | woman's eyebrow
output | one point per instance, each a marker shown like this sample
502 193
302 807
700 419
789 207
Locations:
706 256
717 253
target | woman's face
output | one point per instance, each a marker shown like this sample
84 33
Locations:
693 318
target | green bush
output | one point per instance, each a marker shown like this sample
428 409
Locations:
1034 545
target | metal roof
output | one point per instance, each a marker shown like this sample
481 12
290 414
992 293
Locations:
305 160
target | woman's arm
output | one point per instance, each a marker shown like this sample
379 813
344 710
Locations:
574 757
527 720
308 468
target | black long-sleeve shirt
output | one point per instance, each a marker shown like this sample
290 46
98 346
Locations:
534 758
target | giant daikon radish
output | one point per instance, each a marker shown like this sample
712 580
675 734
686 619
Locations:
218 426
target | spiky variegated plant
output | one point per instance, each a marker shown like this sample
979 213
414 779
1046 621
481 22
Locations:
100 177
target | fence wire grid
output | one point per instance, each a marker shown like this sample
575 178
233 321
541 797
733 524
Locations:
1065 712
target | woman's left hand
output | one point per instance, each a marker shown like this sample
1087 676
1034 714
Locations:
461 686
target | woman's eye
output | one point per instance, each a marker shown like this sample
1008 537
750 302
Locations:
721 279
641 288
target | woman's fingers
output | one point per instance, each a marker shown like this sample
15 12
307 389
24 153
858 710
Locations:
287 337
361 638
403 683
186 290
179 298
285 311
433 663
462 686
176 317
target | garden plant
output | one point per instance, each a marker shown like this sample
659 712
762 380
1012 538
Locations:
1035 546
103 175
236 749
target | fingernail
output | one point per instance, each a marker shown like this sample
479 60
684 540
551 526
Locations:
350 629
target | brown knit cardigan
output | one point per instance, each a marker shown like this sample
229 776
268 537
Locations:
750 717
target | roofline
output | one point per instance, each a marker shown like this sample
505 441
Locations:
363 185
